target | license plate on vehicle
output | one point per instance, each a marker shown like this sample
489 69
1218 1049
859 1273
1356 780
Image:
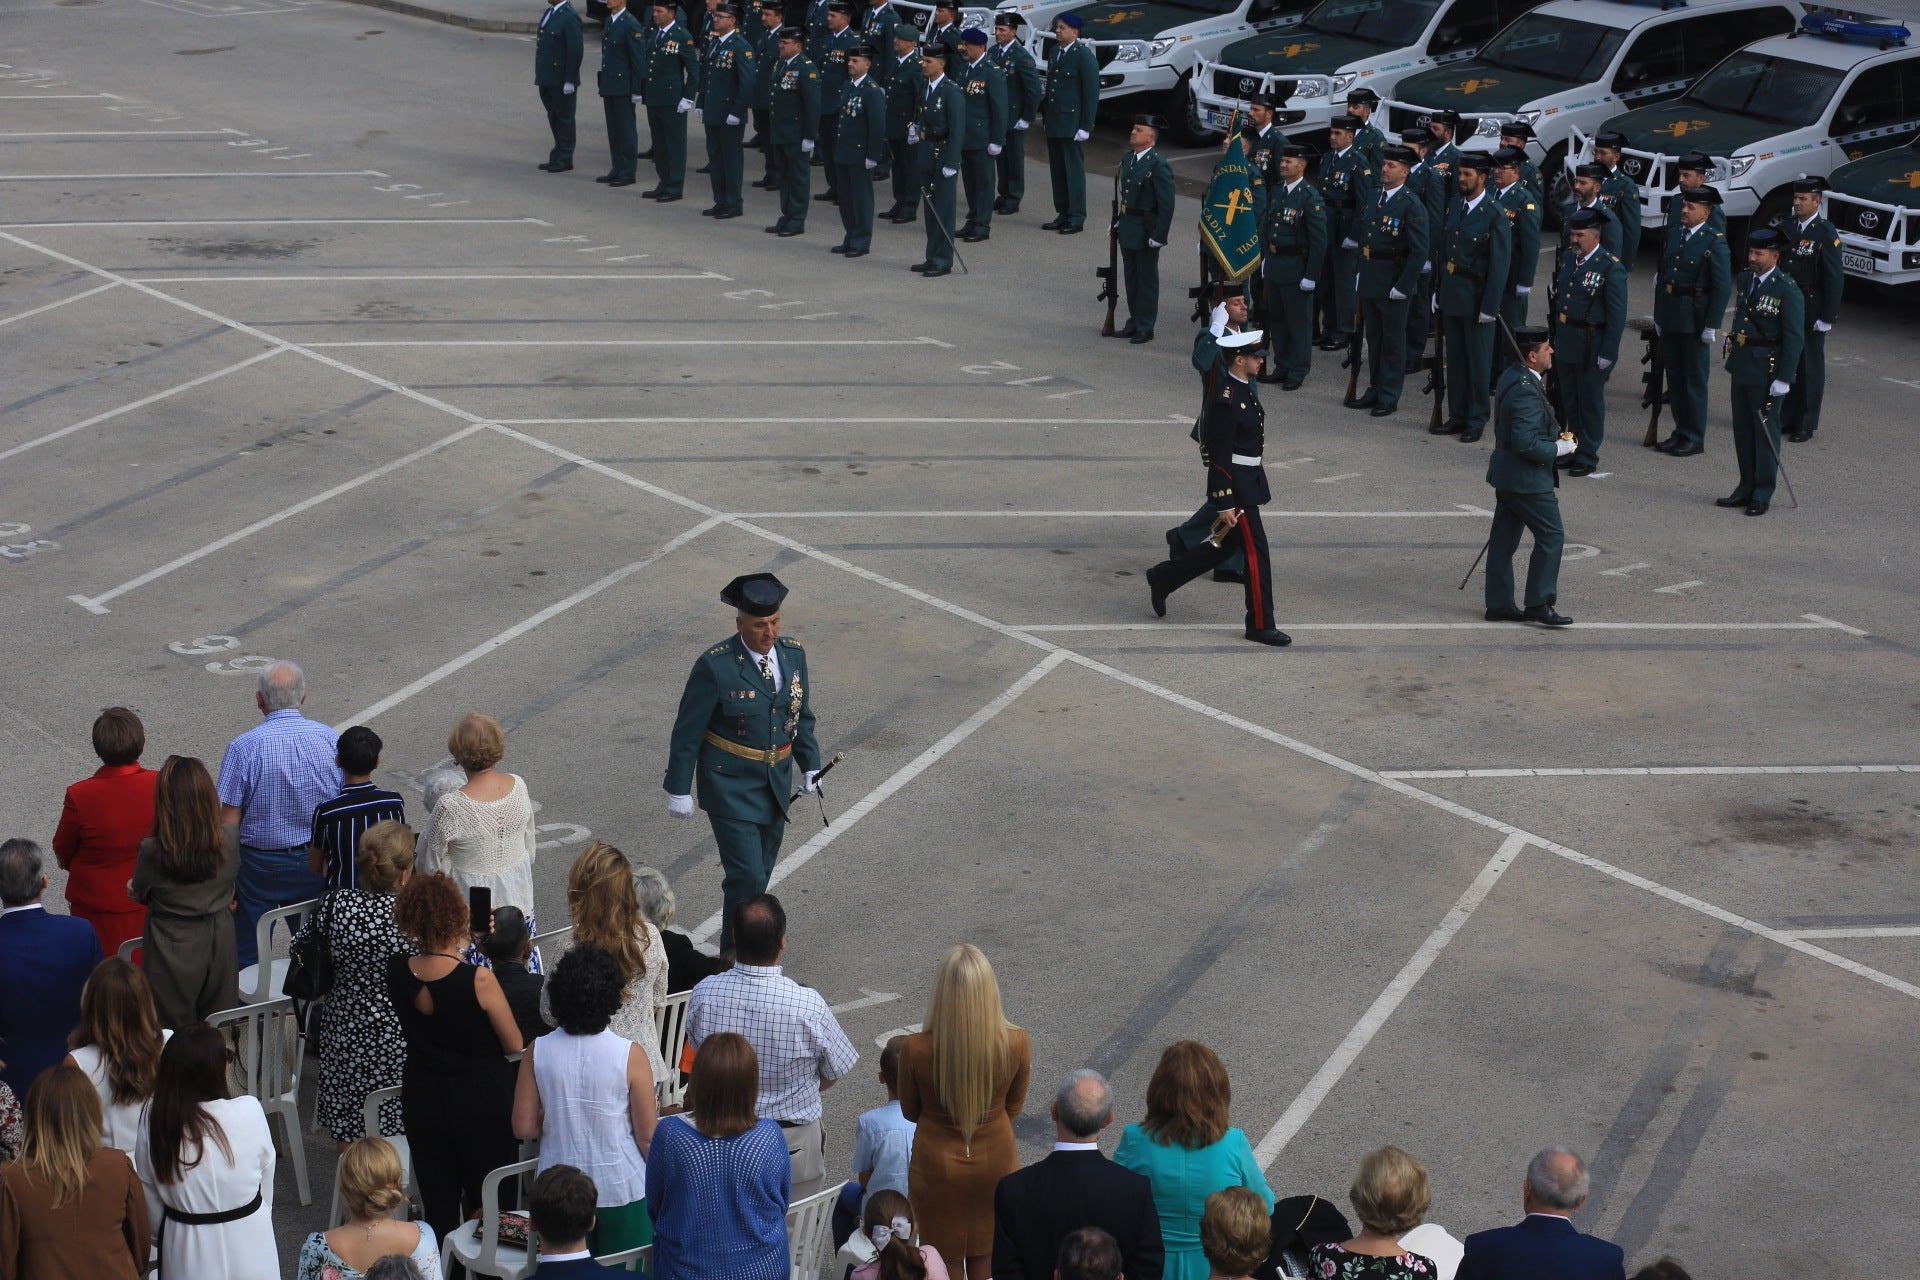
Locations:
1218 119
1861 262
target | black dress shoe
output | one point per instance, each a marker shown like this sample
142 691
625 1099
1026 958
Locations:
621 182
666 199
919 266
1546 616
788 233
776 228
1053 225
606 177
711 211
1563 462
754 143
1139 338
1447 429
975 236
645 155
1756 508
1156 597
765 184
905 215
1278 639
932 273
1382 410
1505 613
1364 401
1469 437
724 214
1686 450
1580 469
651 193
828 197
1333 344
545 165
1800 437
557 168
839 248
705 168
1229 575
1071 230
1293 385
856 253
1733 500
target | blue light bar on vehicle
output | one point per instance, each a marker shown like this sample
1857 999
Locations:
1827 24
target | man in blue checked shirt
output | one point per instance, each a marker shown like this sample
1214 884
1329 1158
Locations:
272 778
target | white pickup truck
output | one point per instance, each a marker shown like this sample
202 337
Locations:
1875 206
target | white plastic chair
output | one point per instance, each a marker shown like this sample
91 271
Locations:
640 1259
476 1245
253 990
810 1234
270 1052
552 935
128 948
370 1120
673 1027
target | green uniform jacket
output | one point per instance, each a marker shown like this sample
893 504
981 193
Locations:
832 61
1368 140
1023 81
1524 440
727 85
1431 186
620 59
1476 258
949 36
1347 183
863 124
1530 178
793 104
766 60
557 49
985 89
816 25
1146 199
1690 293
1523 215
672 67
1393 244
1260 149
1445 161
903 96
1769 328
727 696
1293 239
1813 260
943 121
1590 309
1625 193
1072 95
876 29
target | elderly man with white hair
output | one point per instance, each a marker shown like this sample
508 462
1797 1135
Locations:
1545 1243
271 779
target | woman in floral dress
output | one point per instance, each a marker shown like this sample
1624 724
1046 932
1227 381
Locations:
1390 1196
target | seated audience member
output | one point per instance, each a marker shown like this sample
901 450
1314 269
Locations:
44 963
887 1222
882 1146
508 948
686 963
70 1208
1234 1234
1088 1254
605 912
101 826
187 874
373 1183
1545 1242
586 1093
719 1178
1298 1224
1665 1269
563 1211
1389 1196
1037 1207
1187 1150
395 1266
117 1045
334 849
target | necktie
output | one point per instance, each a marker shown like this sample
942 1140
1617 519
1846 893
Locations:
766 669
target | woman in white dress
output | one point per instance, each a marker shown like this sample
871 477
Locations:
118 1045
373 1183
606 912
206 1161
482 834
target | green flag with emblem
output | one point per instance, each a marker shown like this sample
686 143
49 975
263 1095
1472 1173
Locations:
1228 227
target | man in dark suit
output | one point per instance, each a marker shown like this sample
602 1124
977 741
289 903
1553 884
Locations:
1545 1243
562 1213
1037 1207
44 963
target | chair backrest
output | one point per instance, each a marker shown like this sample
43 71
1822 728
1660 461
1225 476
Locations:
810 1233
262 986
267 1047
552 935
370 1110
673 1039
128 948
640 1259
488 1262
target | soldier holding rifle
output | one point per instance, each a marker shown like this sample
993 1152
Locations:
1142 224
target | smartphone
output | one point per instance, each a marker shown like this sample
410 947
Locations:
480 910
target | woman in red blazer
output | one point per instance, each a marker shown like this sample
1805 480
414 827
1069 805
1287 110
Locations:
105 818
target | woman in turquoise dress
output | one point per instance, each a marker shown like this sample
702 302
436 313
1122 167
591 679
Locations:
1187 1150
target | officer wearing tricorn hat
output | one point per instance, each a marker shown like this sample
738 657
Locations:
745 722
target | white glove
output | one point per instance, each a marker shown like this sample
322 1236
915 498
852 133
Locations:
566 88
1426 268
1306 286
1396 295
1523 289
686 105
1081 135
806 146
1821 326
1777 388
1021 125
733 119
1349 243
1708 335
1217 319
949 173
811 784
1656 331
873 164
913 133
1561 448
636 99
993 148
1154 244
680 806
1604 363
1483 318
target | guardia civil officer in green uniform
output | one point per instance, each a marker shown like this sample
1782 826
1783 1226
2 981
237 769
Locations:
985 88
1069 103
904 92
1145 222
1689 298
793 122
840 40
1262 139
1361 105
620 76
766 56
1024 89
1764 344
1443 155
1293 250
1517 134
1521 471
1347 182
944 29
671 83
1813 260
1431 187
1524 212
1476 255
876 32
745 724
1393 245
1620 187
557 50
1690 174
815 23
858 144
1588 181
1589 315
939 127
1231 305
726 97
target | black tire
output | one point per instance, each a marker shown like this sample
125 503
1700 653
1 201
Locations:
1183 116
1775 209
1559 187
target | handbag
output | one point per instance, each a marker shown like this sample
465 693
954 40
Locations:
310 960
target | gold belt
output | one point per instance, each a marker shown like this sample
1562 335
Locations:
769 755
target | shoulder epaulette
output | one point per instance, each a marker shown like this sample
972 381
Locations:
789 642
718 649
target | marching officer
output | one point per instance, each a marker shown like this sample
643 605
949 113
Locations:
1763 352
1262 140
1347 181
745 721
1431 187
1145 222
938 128
1443 155
726 95
620 76
766 57
672 80
858 144
1590 314
1361 105
1588 181
1689 297
1813 260
1518 133
985 89
793 122
1229 315
1522 474
1393 244
1293 249
1523 210
1476 253
1069 104
903 105
1233 442
944 30
831 62
1625 193
1024 89
1690 174
557 49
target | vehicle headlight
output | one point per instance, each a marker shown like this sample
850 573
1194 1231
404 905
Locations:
1131 51
1741 164
1344 81
1312 87
981 18
1531 117
1489 127
1160 47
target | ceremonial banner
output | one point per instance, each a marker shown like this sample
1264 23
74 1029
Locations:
1228 227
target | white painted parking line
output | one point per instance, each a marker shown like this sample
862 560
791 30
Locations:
1654 771
385 278
51 97
1356 1041
97 604
121 133
1860 931
626 342
1430 626
901 777
284 222
110 177
143 402
1008 514
855 421
63 302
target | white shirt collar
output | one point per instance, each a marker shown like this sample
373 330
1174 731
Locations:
1762 277
1144 151
1386 193
858 81
1476 200
565 1257
25 906
1343 151
1076 1146
935 82
1237 378
1296 182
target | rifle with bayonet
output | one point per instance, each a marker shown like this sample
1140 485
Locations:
1110 274
1654 381
1437 375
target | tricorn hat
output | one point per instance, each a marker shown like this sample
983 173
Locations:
758 594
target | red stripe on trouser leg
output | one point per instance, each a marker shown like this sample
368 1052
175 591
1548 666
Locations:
1253 573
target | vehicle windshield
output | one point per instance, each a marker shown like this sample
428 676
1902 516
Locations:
1194 6
1393 24
1555 47
1794 94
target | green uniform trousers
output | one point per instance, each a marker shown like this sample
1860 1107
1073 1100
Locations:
1802 409
560 118
1688 361
1386 348
1010 168
747 854
726 165
1469 371
796 180
668 129
829 134
1067 161
623 136
1290 325
1757 458
906 176
1583 394
855 184
1140 268
1540 514
942 197
1342 266
976 177
1419 324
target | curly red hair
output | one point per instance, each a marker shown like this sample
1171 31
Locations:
431 911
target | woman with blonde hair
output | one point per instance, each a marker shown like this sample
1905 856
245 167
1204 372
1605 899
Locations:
606 912
117 1045
482 834
373 1183
1234 1234
184 873
1390 1195
70 1209
962 1080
